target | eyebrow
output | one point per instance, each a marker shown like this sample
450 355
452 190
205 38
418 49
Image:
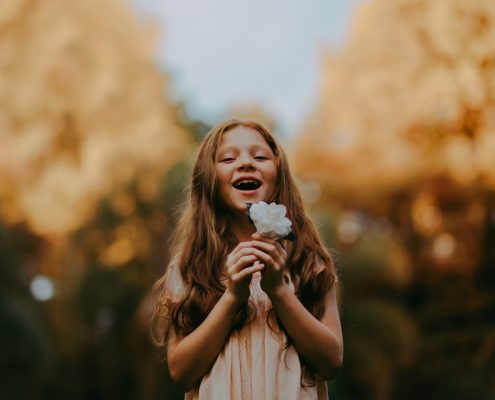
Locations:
253 148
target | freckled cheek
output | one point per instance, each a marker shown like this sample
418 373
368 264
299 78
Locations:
224 184
223 178
271 177
224 193
225 187
270 185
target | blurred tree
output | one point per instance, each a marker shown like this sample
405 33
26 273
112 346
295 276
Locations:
83 109
121 252
404 132
253 111
87 135
24 344
411 94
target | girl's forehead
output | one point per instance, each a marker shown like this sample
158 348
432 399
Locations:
242 137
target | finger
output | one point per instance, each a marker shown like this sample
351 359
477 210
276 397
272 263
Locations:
250 270
257 266
241 263
266 247
281 249
234 254
244 251
257 236
275 250
277 243
280 246
239 247
266 258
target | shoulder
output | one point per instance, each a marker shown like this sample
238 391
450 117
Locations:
319 267
174 285
322 267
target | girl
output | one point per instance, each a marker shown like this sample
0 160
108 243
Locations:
243 316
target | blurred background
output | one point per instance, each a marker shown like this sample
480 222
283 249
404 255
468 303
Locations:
386 108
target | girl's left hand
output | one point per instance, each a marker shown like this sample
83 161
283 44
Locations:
273 255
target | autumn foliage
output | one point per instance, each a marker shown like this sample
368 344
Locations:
83 109
400 147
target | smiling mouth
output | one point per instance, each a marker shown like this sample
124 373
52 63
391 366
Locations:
247 184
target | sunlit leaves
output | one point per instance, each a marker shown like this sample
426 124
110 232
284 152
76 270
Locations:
83 110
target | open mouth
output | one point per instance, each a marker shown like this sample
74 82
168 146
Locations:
247 184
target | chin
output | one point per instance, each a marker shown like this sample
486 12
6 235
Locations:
251 199
239 206
237 201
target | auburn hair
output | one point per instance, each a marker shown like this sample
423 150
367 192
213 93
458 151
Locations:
202 240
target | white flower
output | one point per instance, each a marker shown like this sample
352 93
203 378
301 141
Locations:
270 219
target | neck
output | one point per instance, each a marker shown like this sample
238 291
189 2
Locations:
241 226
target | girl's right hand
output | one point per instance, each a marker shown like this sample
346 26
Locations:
241 265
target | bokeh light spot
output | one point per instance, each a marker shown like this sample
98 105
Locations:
444 246
349 228
42 288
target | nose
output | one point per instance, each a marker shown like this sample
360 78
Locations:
245 162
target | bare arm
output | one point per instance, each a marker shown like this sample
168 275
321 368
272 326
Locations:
190 357
318 342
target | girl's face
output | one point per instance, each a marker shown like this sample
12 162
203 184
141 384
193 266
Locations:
245 167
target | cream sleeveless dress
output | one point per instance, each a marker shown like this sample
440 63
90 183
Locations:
252 365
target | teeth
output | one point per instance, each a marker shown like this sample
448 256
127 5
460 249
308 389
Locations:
253 182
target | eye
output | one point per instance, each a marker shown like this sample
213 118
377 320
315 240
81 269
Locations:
227 159
261 158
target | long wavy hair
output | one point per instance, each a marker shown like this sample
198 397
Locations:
202 240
